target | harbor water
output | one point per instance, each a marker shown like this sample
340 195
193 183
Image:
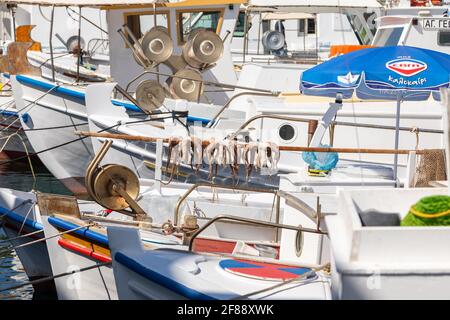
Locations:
18 175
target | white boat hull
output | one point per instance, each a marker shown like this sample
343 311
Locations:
20 219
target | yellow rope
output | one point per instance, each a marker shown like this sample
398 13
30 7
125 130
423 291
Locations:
428 215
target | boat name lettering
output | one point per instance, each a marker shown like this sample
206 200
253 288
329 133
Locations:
406 82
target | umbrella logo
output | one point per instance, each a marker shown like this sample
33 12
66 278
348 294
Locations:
348 79
406 67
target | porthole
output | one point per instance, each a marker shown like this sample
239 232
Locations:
299 243
287 132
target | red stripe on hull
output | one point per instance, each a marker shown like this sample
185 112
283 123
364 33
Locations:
83 250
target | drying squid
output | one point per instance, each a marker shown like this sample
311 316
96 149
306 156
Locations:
173 154
197 149
249 154
235 156
185 150
273 157
211 152
262 159
224 154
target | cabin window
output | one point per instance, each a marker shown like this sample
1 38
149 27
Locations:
140 23
306 26
387 37
444 38
239 30
188 21
287 132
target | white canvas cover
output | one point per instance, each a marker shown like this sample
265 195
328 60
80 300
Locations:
84 3
312 6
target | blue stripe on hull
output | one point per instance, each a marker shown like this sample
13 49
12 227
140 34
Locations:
18 218
160 279
81 96
84 232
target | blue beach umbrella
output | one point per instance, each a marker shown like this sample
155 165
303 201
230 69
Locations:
390 73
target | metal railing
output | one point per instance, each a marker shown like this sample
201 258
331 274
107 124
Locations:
236 188
250 93
254 222
97 45
339 123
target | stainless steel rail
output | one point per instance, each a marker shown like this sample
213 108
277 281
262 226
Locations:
211 185
251 221
216 116
339 123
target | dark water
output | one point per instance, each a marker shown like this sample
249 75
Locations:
19 176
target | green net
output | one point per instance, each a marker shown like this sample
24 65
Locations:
428 206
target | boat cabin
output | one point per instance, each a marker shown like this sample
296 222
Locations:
180 19
301 31
424 27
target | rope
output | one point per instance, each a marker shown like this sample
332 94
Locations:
22 236
47 60
417 213
27 154
49 278
55 127
53 236
248 295
278 285
18 206
416 131
84 137
33 103
24 220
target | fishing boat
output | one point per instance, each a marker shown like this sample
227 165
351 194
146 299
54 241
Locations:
344 175
222 18
49 107
75 232
385 247
17 26
177 275
300 194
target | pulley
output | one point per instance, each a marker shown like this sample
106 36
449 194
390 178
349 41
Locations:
150 95
113 186
110 182
157 44
72 44
202 47
273 40
186 84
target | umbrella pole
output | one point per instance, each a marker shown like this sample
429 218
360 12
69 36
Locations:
397 133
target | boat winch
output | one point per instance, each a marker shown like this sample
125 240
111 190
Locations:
202 49
157 44
150 95
113 186
186 84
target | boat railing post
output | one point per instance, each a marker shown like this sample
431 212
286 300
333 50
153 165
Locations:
397 134
51 42
245 35
79 54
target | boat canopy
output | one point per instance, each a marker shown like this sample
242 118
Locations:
111 4
286 15
84 3
311 6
